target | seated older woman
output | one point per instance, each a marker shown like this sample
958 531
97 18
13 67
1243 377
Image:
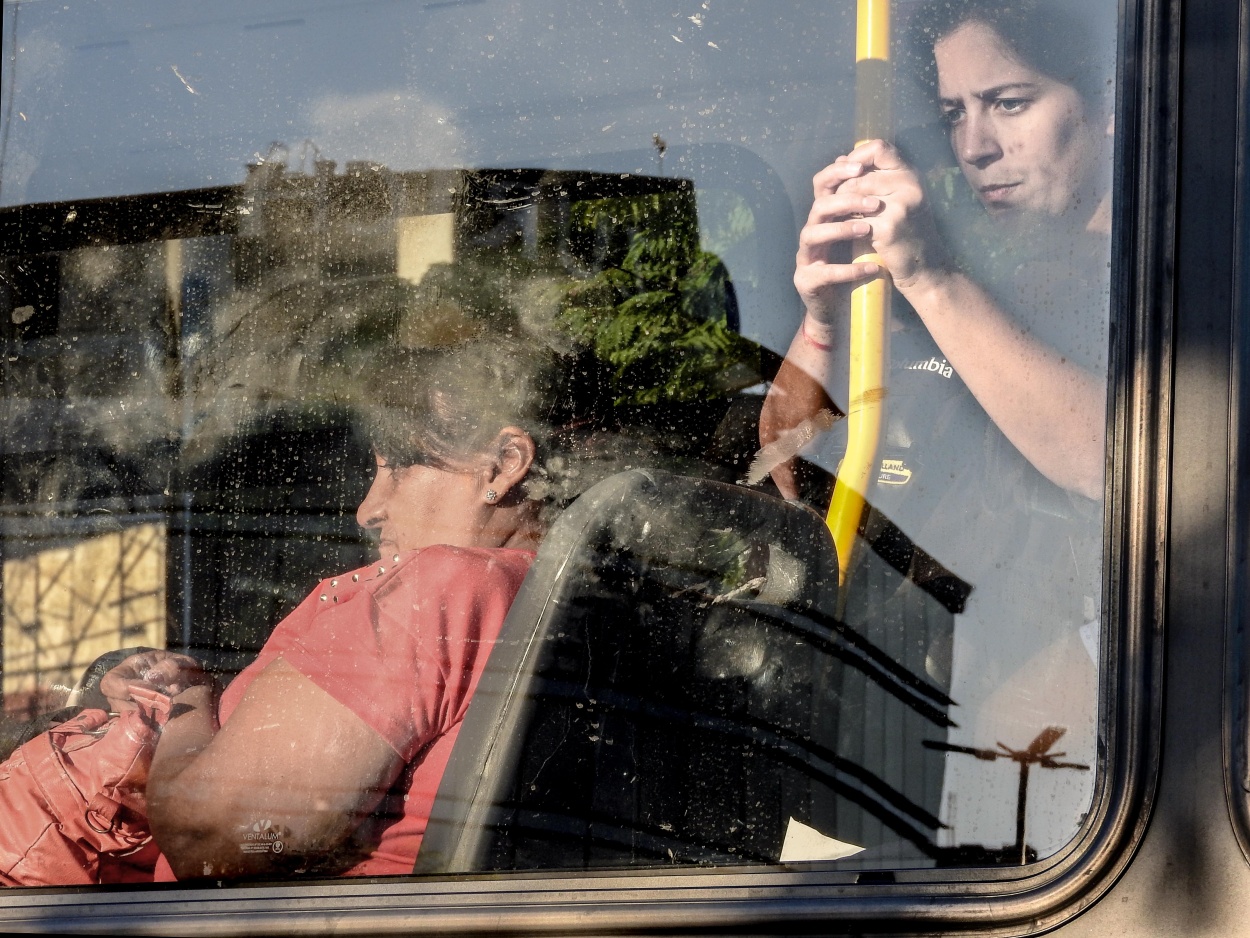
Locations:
325 754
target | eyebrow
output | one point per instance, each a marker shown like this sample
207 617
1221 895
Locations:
989 94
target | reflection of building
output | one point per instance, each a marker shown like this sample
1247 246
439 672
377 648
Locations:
65 605
191 360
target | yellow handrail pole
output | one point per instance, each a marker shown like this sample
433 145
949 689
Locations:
870 302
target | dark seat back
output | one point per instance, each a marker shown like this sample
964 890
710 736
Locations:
666 690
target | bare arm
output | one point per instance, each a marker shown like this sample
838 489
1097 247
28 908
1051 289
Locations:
797 392
1050 409
292 764
815 364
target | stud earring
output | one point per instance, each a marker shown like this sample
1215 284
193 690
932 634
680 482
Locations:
491 495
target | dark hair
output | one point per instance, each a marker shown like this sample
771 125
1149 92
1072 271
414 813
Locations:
1072 44
441 406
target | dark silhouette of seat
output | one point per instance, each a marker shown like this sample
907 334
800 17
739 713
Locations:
666 690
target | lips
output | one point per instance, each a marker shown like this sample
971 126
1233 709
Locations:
998 192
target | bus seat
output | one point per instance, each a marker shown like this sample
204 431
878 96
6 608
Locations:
665 690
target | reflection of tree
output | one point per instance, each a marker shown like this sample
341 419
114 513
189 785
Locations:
269 298
613 265
660 315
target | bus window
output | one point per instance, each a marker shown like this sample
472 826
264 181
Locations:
431 393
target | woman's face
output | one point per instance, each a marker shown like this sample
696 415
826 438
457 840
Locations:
1023 140
418 506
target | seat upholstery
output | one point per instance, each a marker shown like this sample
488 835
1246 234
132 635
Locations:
666 690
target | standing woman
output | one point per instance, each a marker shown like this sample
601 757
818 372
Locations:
1029 116
995 432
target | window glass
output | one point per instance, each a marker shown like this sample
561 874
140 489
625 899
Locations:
426 394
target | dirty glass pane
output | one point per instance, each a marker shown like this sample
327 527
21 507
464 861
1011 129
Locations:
431 378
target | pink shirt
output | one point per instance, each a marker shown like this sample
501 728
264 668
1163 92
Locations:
401 644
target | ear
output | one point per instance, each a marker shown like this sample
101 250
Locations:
512 454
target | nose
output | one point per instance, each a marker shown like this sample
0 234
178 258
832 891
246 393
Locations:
372 509
976 140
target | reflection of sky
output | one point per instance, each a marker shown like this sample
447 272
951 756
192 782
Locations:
115 98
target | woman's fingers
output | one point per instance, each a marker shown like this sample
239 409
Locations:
817 238
834 220
825 287
860 161
886 194
870 193
885 175
843 206
823 265
173 673
829 179
875 170
165 671
812 279
877 154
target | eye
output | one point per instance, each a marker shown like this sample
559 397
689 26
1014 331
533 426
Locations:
952 115
1012 105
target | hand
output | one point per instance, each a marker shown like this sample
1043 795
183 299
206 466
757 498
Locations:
823 272
903 232
870 193
165 671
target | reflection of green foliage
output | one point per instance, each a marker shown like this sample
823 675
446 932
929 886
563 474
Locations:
732 554
656 312
727 222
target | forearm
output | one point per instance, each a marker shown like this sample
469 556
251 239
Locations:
800 387
798 393
280 787
184 804
199 813
1050 409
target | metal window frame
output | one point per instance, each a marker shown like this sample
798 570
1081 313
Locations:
1236 715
